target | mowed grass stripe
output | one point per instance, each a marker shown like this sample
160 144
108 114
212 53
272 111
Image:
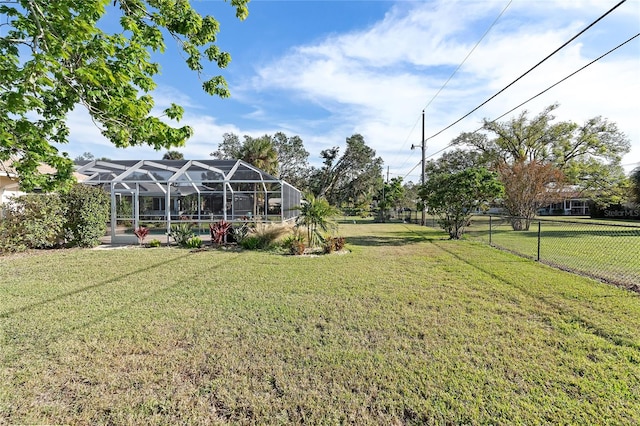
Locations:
407 328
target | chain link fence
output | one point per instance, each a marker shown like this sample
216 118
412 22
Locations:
608 251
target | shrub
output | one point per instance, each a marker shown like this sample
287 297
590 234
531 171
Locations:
268 234
194 242
154 243
87 210
252 242
32 221
332 244
295 243
141 232
182 233
219 231
240 233
296 247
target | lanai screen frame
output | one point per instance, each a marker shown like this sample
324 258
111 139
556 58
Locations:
218 189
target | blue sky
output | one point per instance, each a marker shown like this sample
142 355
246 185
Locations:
324 70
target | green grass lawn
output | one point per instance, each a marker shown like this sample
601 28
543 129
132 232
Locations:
603 249
408 328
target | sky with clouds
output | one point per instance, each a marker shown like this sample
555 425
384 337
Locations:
324 70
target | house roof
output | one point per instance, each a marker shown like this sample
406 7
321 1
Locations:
7 169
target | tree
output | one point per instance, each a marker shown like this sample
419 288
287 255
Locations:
635 184
86 156
292 157
261 153
454 197
581 155
527 188
456 160
389 197
230 148
173 155
315 213
55 57
352 179
293 165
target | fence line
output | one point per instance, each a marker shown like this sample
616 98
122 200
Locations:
606 251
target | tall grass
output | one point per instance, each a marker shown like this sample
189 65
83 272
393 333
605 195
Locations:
408 328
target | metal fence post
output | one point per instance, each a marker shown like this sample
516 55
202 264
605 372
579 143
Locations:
539 241
490 229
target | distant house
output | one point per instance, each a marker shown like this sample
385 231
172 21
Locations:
571 203
10 181
9 185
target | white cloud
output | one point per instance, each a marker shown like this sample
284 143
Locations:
379 79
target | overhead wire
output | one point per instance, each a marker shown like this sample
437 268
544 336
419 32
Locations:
537 95
454 73
528 71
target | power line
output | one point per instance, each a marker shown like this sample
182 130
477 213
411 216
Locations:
455 71
538 94
566 78
530 69
469 54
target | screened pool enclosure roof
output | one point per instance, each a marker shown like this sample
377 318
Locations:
152 175
160 192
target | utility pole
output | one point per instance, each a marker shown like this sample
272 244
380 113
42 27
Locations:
424 149
423 146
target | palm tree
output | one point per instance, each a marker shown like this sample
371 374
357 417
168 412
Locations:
261 153
315 213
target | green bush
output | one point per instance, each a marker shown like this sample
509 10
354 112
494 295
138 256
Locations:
154 243
87 215
251 242
182 233
194 242
32 221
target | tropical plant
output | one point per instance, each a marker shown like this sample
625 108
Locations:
315 214
154 243
219 231
141 232
182 233
240 232
333 244
261 153
294 243
194 243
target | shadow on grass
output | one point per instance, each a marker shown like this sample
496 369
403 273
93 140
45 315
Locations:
377 241
113 280
563 310
398 238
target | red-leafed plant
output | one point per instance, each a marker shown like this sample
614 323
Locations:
219 231
141 232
